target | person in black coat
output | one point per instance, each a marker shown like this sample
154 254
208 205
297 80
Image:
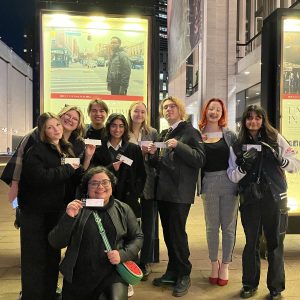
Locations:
131 178
41 199
178 168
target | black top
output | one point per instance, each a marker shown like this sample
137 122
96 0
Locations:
92 133
92 264
217 155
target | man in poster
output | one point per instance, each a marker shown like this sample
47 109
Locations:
119 69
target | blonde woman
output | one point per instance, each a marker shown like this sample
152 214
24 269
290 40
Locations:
141 133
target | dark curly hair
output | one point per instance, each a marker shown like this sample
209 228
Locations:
90 173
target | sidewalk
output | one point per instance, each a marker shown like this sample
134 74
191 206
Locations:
200 289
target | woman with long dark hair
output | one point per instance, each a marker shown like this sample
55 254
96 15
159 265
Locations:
42 200
221 204
257 162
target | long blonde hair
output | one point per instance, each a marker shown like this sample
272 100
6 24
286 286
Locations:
144 123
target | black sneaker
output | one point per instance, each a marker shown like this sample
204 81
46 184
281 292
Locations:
248 292
274 295
166 279
182 286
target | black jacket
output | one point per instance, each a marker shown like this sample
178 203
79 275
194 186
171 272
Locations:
178 168
43 179
131 179
68 232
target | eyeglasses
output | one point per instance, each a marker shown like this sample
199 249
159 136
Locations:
69 117
96 184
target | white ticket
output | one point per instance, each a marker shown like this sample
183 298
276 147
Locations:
160 145
93 142
214 134
71 160
257 147
126 160
145 143
93 202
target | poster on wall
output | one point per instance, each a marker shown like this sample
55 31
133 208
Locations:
290 101
93 57
184 31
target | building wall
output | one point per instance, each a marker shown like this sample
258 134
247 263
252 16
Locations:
15 97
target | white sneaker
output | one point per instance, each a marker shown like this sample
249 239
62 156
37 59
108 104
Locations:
130 290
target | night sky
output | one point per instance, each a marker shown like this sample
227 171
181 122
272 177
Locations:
15 17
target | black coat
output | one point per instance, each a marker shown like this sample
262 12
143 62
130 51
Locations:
131 179
43 179
178 168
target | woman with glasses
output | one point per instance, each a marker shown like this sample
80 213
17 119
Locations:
221 204
114 154
41 199
177 162
258 161
141 133
88 269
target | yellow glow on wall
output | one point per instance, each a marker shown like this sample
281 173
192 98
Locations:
61 20
292 25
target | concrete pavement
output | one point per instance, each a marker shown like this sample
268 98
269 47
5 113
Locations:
200 289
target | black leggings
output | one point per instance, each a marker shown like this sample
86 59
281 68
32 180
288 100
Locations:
115 291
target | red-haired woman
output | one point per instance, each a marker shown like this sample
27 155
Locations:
220 204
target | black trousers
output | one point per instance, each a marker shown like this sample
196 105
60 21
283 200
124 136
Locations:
39 261
270 217
149 215
114 291
173 218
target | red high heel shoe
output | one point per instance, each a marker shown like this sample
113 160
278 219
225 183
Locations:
220 281
214 280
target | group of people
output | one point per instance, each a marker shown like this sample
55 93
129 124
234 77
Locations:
137 172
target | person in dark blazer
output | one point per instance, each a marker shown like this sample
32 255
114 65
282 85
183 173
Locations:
131 178
178 168
141 133
41 198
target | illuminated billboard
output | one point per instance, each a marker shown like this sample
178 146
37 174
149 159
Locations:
290 100
93 57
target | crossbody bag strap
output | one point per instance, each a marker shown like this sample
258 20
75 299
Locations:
102 231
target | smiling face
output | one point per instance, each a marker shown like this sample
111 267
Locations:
117 129
214 112
100 191
70 120
253 123
138 114
97 115
53 130
171 112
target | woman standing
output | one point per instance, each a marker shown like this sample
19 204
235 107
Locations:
131 175
257 162
140 132
220 205
88 270
41 199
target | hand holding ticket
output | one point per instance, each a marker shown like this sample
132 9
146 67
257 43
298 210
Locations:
93 142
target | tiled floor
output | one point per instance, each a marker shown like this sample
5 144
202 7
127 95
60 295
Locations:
200 289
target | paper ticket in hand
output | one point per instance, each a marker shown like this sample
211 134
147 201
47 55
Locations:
160 145
214 134
92 142
126 160
145 143
71 160
257 147
93 202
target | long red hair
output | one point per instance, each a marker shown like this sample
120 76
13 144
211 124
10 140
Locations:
223 120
